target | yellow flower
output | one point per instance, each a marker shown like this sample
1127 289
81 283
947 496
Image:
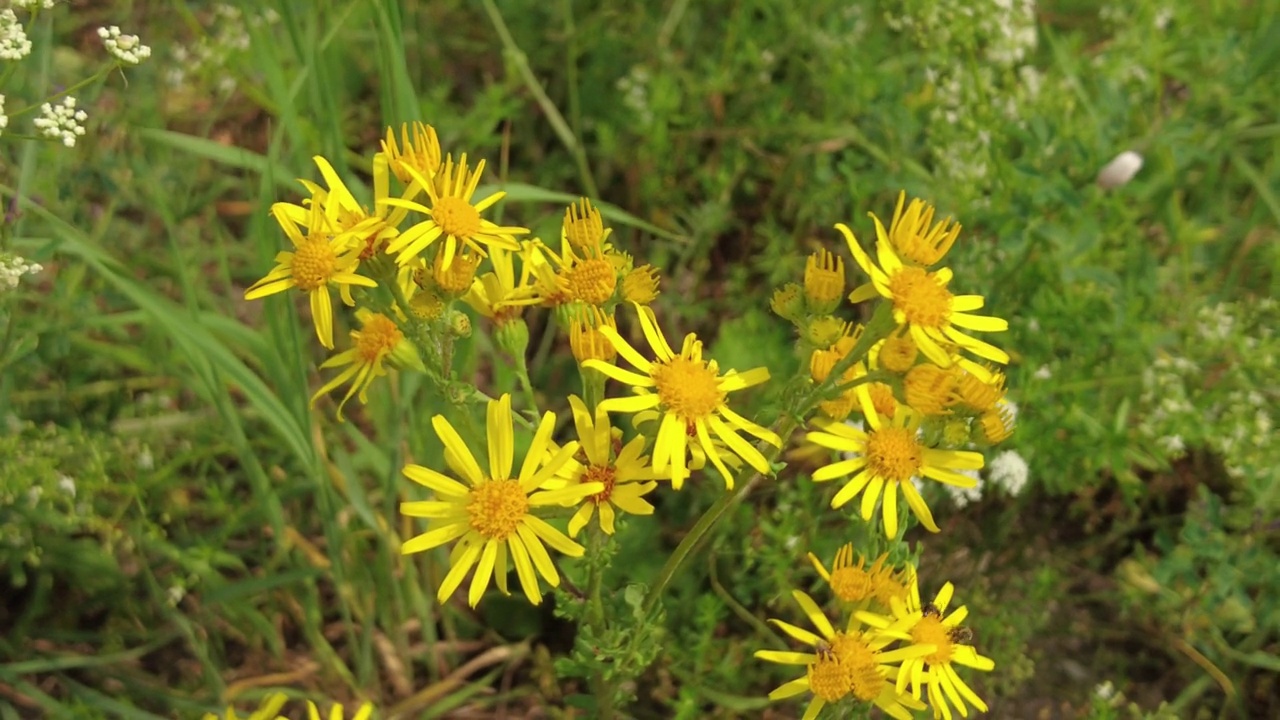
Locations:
498 294
451 215
419 154
923 304
455 279
859 584
640 285
346 216
583 228
585 339
267 709
590 278
378 340
896 353
690 393
849 664
928 625
823 281
996 424
319 259
623 471
980 394
930 389
913 234
788 303
491 516
337 712
887 457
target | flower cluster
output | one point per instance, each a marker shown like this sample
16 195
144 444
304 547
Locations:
908 397
892 652
12 268
14 44
424 244
127 49
62 121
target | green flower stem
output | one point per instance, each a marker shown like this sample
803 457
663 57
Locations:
592 388
526 386
596 618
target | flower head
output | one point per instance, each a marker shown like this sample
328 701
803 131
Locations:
378 341
823 281
861 585
690 395
850 664
370 231
319 259
451 215
922 303
914 235
418 154
585 339
930 625
491 516
62 122
624 470
128 49
886 457
499 294
14 44
583 228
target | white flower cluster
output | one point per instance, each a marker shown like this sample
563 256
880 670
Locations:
14 44
1009 471
634 87
127 49
963 496
4 119
228 36
63 121
12 268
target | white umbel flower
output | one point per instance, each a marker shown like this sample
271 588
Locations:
63 122
127 49
1009 471
1120 170
12 268
14 44
963 496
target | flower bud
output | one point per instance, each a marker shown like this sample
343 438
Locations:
459 324
825 330
513 337
456 279
897 353
823 282
788 303
929 388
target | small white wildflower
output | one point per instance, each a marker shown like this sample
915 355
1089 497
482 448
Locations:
175 594
1105 690
1172 444
963 496
12 268
1120 170
1044 373
63 122
14 44
791 542
67 484
125 48
145 460
1009 470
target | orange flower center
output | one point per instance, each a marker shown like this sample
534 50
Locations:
456 217
688 388
591 281
496 508
894 453
918 295
314 263
858 660
931 631
377 338
602 474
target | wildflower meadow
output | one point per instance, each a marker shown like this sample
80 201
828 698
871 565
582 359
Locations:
372 359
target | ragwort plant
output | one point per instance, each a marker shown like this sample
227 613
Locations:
509 476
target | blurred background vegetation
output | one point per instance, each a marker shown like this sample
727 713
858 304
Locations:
178 531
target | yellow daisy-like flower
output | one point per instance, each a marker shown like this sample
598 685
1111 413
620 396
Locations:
861 585
378 340
690 393
267 709
929 625
418 154
346 216
337 712
491 516
499 294
583 227
585 339
624 471
886 457
640 285
914 235
451 215
319 259
590 278
849 664
923 304
823 281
